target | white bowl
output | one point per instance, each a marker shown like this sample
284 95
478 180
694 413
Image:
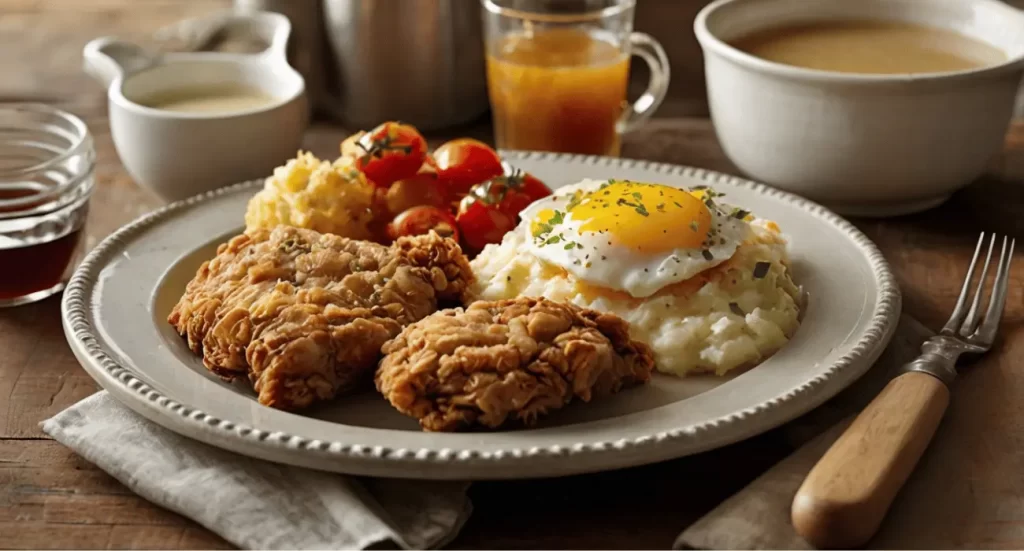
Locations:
177 155
875 145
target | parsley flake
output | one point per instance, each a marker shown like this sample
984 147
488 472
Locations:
739 213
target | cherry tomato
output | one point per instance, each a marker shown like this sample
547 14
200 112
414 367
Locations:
422 219
481 224
465 162
492 208
391 152
516 190
421 189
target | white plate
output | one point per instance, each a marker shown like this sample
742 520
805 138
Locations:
116 305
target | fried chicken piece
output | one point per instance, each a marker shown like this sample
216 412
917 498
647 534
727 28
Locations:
507 361
304 314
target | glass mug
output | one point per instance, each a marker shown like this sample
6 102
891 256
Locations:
558 70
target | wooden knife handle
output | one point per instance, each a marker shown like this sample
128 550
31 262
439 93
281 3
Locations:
846 495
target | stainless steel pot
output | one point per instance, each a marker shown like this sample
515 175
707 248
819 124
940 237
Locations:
417 61
421 61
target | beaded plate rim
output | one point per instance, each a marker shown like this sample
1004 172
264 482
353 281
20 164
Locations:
193 422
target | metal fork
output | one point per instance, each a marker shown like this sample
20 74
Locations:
846 495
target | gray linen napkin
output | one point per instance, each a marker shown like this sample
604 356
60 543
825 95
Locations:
258 504
757 517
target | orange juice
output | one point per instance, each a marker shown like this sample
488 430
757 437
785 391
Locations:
557 90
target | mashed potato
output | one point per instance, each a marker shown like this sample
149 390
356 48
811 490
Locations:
310 193
733 315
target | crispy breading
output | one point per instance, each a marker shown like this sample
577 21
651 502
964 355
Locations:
303 315
508 361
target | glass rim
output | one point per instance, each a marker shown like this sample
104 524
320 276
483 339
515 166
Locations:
592 15
42 201
80 129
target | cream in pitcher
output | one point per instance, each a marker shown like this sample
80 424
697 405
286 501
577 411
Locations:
228 98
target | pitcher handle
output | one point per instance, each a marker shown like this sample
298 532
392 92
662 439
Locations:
107 59
647 48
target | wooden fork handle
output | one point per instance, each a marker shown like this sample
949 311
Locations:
846 495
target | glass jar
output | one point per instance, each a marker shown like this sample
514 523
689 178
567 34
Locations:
47 161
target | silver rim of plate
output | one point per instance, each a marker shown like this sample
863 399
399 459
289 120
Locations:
104 361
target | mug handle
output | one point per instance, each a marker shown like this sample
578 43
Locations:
107 59
647 48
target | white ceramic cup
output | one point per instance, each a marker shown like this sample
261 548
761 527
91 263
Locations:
875 145
176 155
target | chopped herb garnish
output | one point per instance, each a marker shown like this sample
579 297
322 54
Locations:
707 254
694 225
553 239
677 204
736 309
569 246
575 201
700 188
660 207
761 269
636 195
739 213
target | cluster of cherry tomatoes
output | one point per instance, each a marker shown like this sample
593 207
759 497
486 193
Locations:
462 190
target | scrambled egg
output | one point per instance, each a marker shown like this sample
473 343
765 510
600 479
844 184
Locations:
730 316
318 195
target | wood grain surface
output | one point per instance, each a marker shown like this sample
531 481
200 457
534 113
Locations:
50 498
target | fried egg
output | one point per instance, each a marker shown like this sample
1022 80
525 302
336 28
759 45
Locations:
630 236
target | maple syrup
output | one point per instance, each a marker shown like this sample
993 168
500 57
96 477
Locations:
46 179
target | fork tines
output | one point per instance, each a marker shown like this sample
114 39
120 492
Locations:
967 322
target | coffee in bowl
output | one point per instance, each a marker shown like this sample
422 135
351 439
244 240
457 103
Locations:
872 107
870 47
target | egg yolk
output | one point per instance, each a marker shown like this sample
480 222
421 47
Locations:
649 218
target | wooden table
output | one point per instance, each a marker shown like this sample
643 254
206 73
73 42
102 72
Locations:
50 498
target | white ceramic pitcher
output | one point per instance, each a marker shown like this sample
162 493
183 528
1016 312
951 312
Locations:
176 155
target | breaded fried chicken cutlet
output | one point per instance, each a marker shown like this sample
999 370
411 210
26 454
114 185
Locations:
303 315
508 361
